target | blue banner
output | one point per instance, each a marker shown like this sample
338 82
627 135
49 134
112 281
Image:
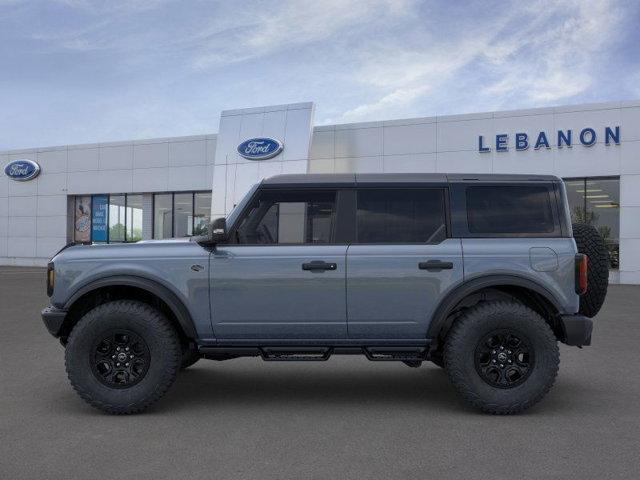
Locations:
99 206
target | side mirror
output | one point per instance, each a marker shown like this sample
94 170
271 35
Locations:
218 231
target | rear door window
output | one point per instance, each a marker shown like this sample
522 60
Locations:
401 216
510 209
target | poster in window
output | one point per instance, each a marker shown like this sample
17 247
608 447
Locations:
82 219
99 209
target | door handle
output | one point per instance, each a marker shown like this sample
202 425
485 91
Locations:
319 266
435 265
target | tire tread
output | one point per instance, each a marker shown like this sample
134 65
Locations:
457 376
164 329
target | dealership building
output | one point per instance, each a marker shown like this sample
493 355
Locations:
171 187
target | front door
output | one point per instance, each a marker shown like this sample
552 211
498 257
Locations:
400 264
281 277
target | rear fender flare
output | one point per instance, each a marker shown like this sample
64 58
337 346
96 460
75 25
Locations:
454 297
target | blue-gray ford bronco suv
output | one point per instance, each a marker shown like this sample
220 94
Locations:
480 274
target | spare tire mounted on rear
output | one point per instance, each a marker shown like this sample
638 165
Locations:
590 242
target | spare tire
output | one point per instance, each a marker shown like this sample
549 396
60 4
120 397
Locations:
590 242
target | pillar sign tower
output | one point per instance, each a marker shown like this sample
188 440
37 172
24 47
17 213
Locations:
255 143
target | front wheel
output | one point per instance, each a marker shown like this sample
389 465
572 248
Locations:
122 356
502 357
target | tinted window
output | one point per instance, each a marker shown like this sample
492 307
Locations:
509 209
289 217
401 216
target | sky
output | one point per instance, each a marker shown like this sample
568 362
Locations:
78 71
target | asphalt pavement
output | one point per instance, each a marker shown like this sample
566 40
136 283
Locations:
346 418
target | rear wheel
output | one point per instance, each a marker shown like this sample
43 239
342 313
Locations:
122 356
502 357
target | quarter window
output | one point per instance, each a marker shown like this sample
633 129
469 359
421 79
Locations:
401 216
514 209
289 218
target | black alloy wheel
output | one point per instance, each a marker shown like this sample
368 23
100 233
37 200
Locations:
120 359
504 358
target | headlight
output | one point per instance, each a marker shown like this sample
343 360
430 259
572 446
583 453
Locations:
51 278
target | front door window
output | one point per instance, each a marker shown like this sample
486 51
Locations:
292 218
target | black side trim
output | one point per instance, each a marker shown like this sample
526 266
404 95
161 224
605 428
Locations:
467 288
167 296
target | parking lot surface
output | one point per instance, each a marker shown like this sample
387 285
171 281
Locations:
346 418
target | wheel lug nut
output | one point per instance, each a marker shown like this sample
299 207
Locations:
130 356
493 351
509 352
113 356
117 364
126 364
501 348
118 349
494 360
127 349
509 361
501 366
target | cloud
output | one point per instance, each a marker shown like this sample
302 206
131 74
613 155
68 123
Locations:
555 63
127 69
257 32
542 52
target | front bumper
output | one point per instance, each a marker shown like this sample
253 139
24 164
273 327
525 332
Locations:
576 330
53 319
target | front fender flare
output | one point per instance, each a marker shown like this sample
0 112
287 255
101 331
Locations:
176 306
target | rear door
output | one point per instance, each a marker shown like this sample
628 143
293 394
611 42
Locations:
401 262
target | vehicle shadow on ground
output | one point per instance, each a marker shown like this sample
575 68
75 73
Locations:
312 387
427 387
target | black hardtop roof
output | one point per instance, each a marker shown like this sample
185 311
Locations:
355 179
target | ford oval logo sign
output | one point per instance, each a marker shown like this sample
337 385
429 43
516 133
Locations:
260 148
22 170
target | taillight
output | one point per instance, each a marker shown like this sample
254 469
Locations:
581 273
51 278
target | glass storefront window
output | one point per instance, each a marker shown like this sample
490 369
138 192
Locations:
182 214
162 215
117 218
134 218
596 202
201 213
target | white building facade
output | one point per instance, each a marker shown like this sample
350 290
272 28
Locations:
171 187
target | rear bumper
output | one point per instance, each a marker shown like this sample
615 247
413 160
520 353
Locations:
576 330
53 319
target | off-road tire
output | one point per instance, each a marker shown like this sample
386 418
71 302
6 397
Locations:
460 356
590 242
149 324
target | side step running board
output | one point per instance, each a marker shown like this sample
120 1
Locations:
318 354
396 354
308 354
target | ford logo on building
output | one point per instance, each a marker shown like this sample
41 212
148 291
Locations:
260 148
22 170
